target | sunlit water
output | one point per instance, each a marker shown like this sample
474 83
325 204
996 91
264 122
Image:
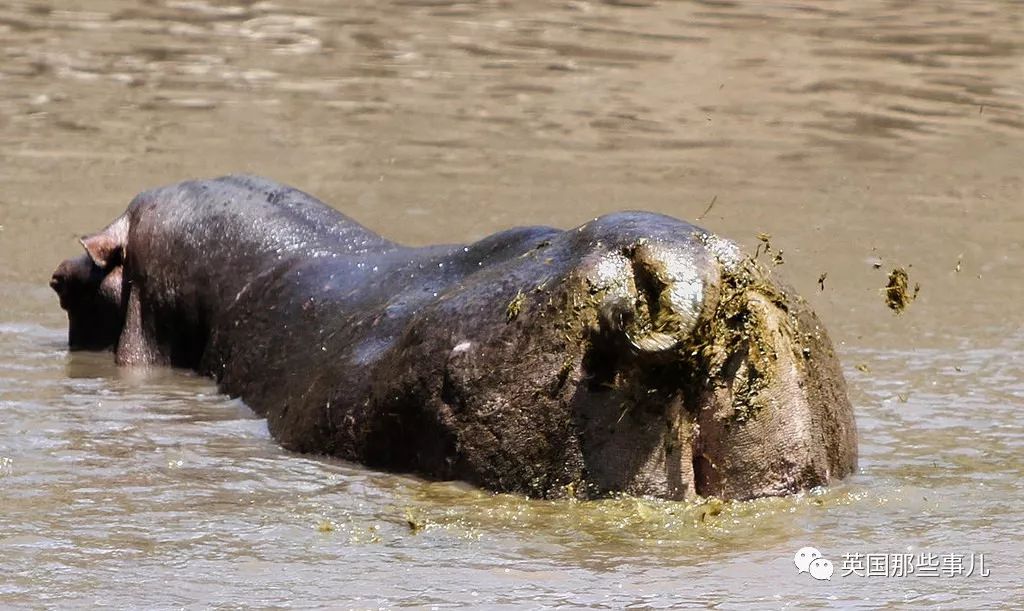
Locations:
855 133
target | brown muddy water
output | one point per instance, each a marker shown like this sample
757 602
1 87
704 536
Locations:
857 133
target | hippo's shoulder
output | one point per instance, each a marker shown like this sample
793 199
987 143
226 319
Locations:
236 190
252 208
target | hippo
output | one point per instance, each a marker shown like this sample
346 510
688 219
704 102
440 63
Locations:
635 354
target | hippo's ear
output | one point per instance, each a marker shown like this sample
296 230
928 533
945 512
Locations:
101 249
106 248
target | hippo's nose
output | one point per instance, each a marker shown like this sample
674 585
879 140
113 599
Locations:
59 282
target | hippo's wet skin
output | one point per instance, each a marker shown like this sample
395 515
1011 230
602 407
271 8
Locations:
635 353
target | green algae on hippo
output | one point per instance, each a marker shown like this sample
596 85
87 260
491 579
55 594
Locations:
634 354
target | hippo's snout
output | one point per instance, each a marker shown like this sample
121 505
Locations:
75 278
57 283
91 296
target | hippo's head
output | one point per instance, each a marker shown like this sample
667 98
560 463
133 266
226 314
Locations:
90 290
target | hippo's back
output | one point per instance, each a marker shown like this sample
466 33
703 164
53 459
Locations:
258 216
